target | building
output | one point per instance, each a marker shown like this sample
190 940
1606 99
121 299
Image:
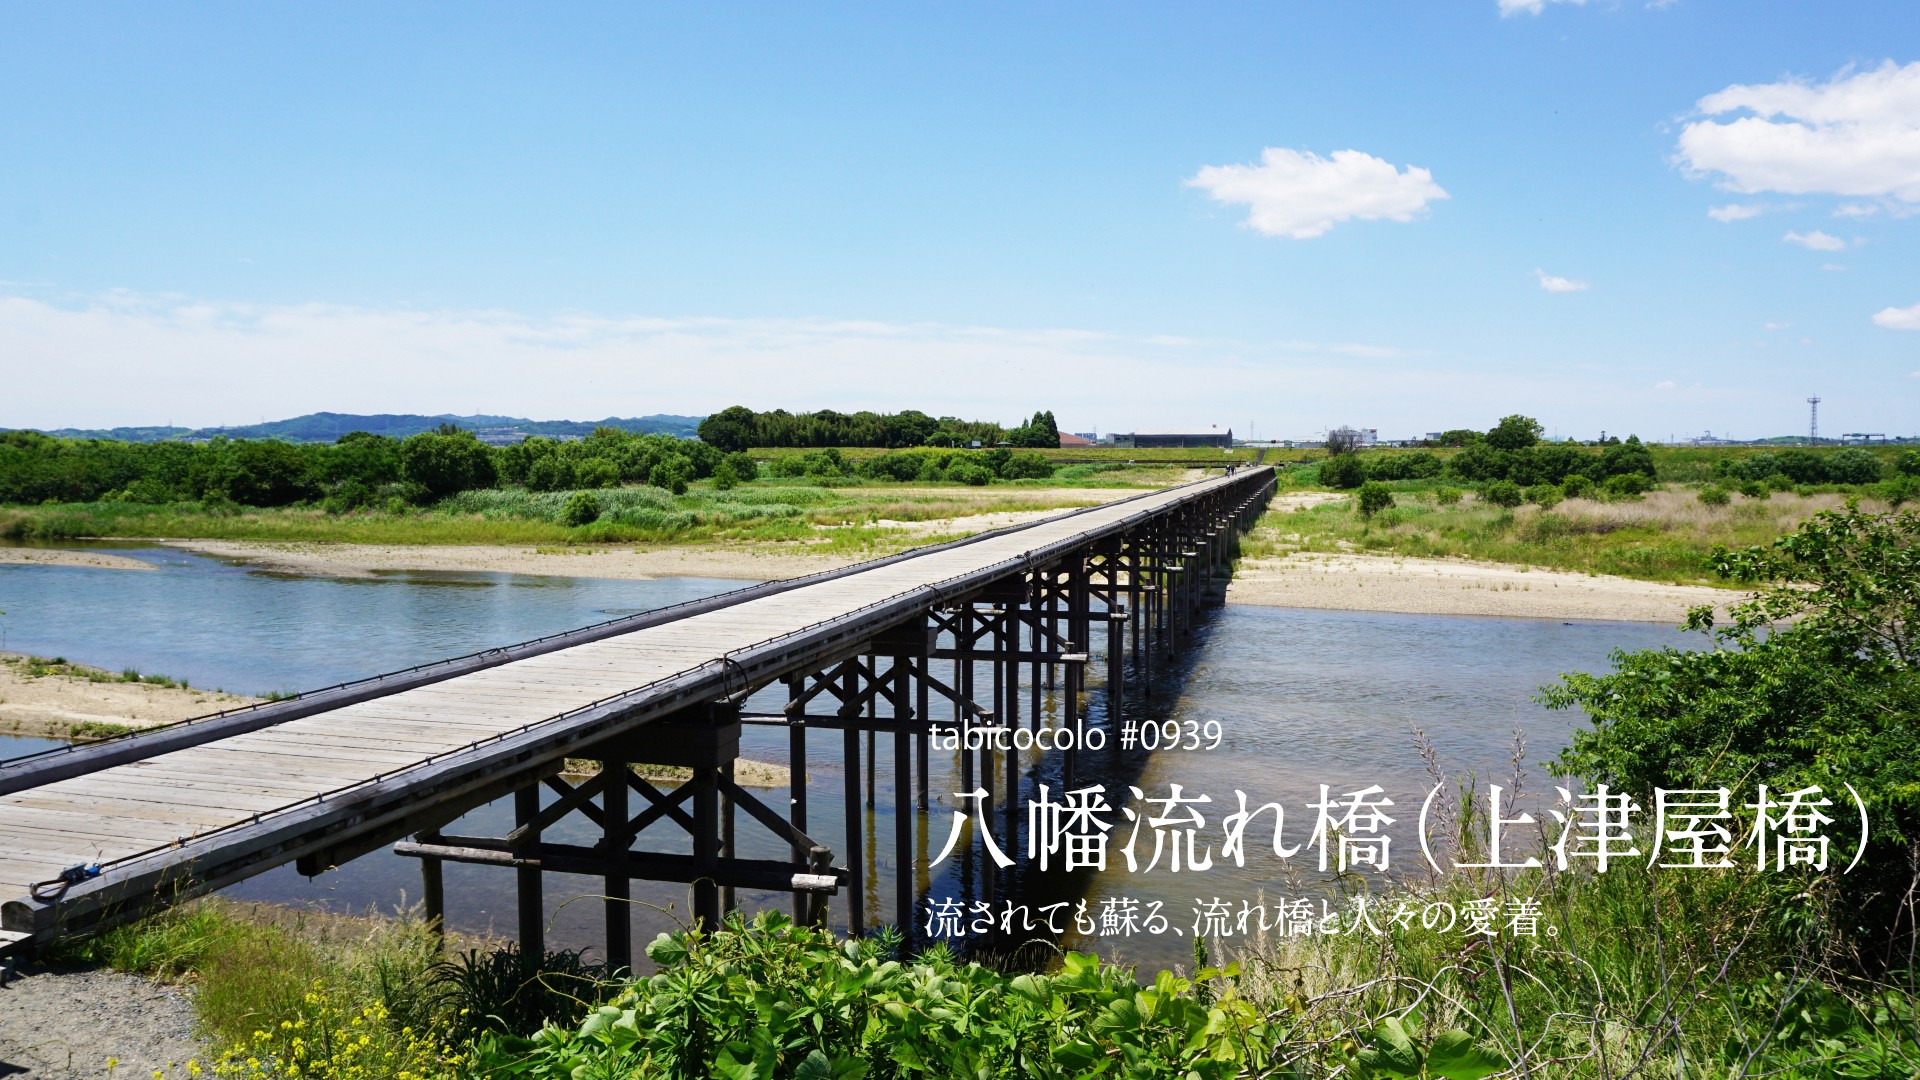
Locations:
1175 440
1069 439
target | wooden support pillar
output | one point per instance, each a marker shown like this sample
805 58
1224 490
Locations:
706 848
803 905
903 813
433 894
615 841
856 859
921 743
530 903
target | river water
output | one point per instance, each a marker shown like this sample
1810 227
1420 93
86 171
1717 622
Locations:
1302 698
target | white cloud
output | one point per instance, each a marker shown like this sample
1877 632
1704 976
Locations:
1857 135
1558 284
1301 194
1735 211
1664 384
1773 326
1899 318
1531 7
1856 210
1815 241
1832 267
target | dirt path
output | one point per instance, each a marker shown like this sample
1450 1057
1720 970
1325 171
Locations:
64 1024
1459 587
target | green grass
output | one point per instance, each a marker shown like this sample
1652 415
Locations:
829 519
35 667
1661 537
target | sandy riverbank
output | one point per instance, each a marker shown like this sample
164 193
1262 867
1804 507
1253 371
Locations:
1458 587
78 701
364 560
98 560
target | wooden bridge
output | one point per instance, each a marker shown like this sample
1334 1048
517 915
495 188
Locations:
902 647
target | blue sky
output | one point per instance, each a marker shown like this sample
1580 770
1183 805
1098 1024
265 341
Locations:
1409 216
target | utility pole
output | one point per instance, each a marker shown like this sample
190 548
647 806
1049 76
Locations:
1813 420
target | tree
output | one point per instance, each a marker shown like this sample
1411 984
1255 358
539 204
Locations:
1460 437
743 467
728 430
444 465
1802 466
1343 440
1627 457
1815 682
1374 497
1515 432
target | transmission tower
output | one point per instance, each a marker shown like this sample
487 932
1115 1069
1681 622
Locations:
1813 420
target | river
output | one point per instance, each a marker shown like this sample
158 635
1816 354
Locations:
1302 697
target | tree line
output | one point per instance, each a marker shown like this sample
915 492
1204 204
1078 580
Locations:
357 470
739 428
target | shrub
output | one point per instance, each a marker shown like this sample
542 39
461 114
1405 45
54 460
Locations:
1546 496
1515 432
743 466
1755 489
1853 466
1814 683
1802 466
1374 497
1342 472
1446 496
966 472
1626 485
1503 493
1909 463
1577 486
1714 495
724 479
583 508
671 473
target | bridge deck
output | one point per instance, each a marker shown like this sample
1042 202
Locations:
122 815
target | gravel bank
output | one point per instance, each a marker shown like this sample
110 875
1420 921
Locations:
63 1024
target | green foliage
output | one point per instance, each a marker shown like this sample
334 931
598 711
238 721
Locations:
971 474
730 430
743 467
597 473
1625 485
724 478
1909 463
508 992
1342 472
1039 433
1714 495
1374 497
1815 682
1630 458
1853 465
1447 496
1546 496
1390 465
1577 486
1503 493
582 508
445 464
737 428
1515 432
775 1000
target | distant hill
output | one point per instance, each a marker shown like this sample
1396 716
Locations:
328 426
